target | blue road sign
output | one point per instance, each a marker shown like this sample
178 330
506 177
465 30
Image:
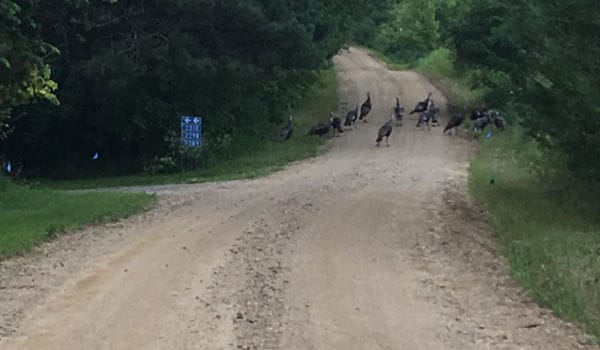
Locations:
191 131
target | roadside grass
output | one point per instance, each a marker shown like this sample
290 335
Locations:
439 68
549 227
35 212
547 222
265 158
30 216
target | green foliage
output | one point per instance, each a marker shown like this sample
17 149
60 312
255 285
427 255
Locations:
439 63
412 31
30 216
538 57
255 158
366 16
546 54
24 77
128 70
547 222
458 87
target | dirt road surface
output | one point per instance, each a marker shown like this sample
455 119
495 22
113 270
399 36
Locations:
361 248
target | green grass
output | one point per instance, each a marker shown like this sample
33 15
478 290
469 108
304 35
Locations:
264 159
37 212
30 216
439 67
548 225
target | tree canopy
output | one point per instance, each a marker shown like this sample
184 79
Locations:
114 76
128 69
24 76
538 58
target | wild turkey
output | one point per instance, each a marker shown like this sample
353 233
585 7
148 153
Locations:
385 131
351 117
365 109
432 111
423 119
499 121
454 123
320 129
481 123
287 131
398 110
428 116
478 112
336 124
422 106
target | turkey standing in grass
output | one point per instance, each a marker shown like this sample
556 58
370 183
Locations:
287 131
351 117
481 123
336 124
499 121
478 113
454 123
365 109
398 110
320 129
385 131
422 106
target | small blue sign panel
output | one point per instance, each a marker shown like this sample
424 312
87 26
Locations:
191 131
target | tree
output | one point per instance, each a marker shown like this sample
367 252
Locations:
540 57
24 77
412 32
127 71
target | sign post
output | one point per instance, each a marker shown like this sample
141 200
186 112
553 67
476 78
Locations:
191 131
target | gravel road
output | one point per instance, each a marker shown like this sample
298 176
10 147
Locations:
361 248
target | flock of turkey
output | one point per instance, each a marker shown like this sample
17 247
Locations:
427 114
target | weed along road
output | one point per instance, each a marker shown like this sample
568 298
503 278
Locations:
362 248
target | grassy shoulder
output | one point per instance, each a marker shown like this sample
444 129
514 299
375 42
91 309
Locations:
549 229
265 158
30 216
439 68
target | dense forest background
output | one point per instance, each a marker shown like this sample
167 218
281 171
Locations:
79 76
537 60
114 77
